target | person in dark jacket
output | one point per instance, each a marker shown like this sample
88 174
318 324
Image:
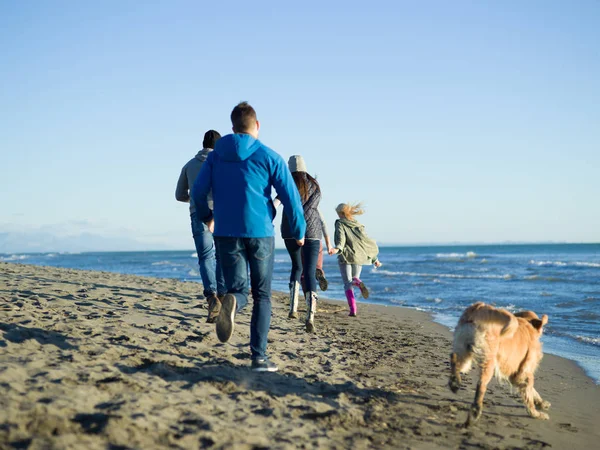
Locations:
304 259
208 261
241 172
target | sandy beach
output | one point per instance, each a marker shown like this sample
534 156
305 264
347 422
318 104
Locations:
96 360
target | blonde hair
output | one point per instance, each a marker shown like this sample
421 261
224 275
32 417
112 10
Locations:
349 210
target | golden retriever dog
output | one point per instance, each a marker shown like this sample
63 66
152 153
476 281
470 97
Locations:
502 344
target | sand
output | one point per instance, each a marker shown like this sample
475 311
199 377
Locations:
95 360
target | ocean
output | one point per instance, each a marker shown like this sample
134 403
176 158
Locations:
561 280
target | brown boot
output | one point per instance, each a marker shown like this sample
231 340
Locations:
214 307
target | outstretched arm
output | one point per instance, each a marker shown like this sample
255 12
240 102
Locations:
182 189
324 229
287 192
339 238
200 190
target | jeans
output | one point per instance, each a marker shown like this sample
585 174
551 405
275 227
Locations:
348 272
208 260
304 259
236 255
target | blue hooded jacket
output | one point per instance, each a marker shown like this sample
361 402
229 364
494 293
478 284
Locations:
241 172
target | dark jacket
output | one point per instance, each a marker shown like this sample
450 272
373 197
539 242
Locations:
310 206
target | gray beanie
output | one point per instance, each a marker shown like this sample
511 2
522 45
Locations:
296 164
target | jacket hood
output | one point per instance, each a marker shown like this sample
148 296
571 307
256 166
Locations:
351 223
202 154
236 147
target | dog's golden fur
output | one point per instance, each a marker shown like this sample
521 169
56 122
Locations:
502 344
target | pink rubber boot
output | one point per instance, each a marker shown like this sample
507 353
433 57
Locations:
364 291
351 302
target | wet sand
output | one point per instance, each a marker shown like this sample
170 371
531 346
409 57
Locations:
96 360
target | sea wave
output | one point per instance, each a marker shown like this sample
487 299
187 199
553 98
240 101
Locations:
446 275
165 263
456 256
14 258
564 264
589 340
194 255
539 278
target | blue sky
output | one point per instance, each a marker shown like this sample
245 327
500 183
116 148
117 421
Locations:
464 121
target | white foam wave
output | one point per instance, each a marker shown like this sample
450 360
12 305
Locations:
589 340
548 263
14 258
194 255
456 256
165 263
564 264
587 264
446 275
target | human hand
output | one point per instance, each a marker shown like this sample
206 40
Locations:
300 242
332 251
377 264
211 225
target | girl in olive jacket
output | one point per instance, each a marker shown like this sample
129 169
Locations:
354 249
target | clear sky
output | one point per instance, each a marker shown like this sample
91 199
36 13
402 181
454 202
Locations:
468 121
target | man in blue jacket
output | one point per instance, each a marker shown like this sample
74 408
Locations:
241 172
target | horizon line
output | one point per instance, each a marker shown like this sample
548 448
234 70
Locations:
384 245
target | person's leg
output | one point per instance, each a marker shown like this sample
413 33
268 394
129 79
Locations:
356 281
310 254
320 258
319 273
207 263
221 287
346 272
233 258
295 253
261 255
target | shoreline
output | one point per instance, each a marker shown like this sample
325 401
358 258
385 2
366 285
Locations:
98 359
581 348
553 345
446 330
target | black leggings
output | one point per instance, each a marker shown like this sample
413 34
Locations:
304 257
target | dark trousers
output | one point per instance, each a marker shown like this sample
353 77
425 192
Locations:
237 255
304 259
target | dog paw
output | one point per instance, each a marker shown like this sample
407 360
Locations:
545 405
453 384
474 415
543 416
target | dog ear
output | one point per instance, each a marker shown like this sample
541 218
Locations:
538 324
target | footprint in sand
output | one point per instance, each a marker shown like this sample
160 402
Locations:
568 427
